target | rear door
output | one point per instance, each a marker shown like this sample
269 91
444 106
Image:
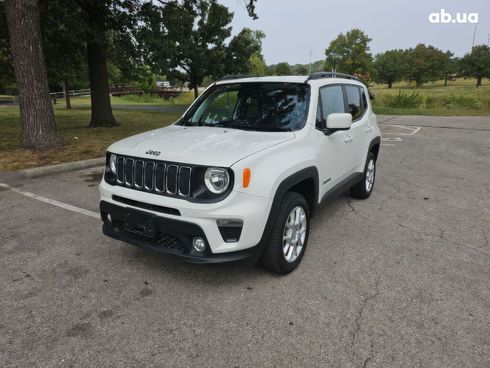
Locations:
356 102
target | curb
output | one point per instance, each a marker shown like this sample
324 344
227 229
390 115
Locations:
52 169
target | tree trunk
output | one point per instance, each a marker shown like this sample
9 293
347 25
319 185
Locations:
446 76
67 94
36 110
478 81
196 91
390 84
97 70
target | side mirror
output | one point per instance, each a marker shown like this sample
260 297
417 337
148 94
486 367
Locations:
339 121
372 96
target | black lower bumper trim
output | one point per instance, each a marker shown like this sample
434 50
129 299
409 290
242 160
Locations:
165 235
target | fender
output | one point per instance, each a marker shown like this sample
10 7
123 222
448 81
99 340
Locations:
376 140
296 178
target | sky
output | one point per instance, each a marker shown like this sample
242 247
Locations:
293 28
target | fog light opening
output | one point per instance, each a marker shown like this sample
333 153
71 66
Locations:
109 218
199 244
230 229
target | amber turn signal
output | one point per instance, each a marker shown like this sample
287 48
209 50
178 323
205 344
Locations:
246 177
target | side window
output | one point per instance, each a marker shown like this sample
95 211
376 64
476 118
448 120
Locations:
331 101
355 106
364 98
319 117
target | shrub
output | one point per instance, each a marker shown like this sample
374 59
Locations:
404 100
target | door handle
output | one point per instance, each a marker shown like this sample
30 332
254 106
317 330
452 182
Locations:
368 130
348 138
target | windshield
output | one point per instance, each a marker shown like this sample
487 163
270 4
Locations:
252 106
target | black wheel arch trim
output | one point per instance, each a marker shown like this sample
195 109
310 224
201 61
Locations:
307 173
374 141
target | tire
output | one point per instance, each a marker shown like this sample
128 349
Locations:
364 188
274 258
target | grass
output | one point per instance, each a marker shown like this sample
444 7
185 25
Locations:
80 141
185 99
460 97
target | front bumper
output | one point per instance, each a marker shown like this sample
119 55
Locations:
165 235
252 210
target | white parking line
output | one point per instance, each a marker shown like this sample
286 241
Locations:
395 139
413 130
396 136
53 202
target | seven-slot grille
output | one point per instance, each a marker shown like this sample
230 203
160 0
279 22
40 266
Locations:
154 176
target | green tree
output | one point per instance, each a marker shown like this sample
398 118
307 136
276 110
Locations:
388 67
104 20
240 50
476 64
257 64
147 80
450 67
251 9
282 69
301 69
186 36
65 54
424 64
36 111
6 67
318 66
349 53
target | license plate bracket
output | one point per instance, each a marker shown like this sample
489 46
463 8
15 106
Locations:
140 223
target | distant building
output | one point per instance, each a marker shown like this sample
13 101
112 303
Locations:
163 84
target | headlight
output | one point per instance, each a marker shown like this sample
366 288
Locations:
216 180
112 162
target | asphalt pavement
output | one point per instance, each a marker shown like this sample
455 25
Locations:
399 280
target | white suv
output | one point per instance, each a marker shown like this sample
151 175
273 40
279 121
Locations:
239 176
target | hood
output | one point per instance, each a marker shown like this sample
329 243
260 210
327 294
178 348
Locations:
198 145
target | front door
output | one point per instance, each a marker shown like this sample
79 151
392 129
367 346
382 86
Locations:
335 157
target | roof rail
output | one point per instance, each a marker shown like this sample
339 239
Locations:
235 76
321 75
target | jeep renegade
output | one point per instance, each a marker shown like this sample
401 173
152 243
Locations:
241 173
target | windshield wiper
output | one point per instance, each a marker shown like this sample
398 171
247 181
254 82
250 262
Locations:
244 125
272 128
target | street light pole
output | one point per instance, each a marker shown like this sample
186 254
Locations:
474 34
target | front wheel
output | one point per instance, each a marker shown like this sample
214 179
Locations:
289 236
364 188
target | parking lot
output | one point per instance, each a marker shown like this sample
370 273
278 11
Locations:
399 280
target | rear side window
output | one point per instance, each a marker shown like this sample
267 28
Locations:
354 102
364 99
331 101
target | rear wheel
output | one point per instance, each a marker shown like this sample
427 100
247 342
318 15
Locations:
364 188
289 236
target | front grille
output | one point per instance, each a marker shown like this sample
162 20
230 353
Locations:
147 206
168 241
154 176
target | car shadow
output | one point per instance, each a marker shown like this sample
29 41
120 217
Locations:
224 274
